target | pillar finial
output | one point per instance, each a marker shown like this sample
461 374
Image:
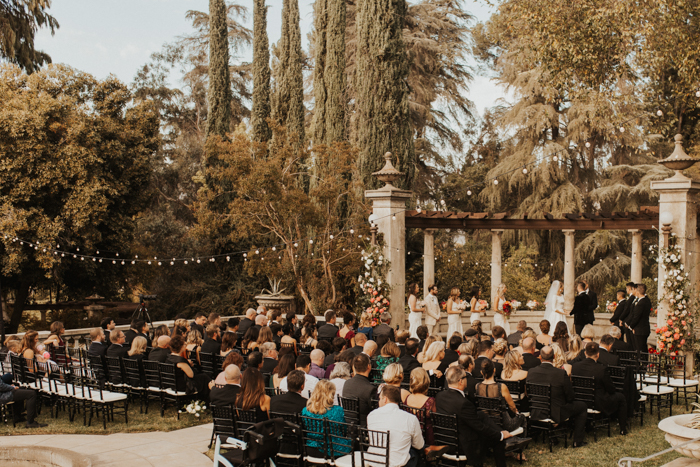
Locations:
388 174
678 160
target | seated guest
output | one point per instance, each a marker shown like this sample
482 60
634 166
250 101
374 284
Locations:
309 335
212 343
497 332
214 319
384 333
401 337
512 369
480 334
247 322
288 336
326 347
222 395
250 340
433 359
338 344
138 348
451 354
360 340
200 320
303 363
619 343
370 349
342 371
285 365
390 354
97 346
544 338
320 407
514 338
560 359
255 360
607 399
529 354
491 389
561 336
426 345
472 334
186 379
419 399
233 358
161 352
252 395
346 356
317 358
117 349
265 335
475 429
276 330
360 387
604 355
328 330
10 393
107 324
587 334
575 352
161 330
408 361
57 329
500 347
346 332
466 362
228 342
365 326
232 325
564 405
485 353
136 329
393 376
269 354
531 334
180 329
422 333
471 347
291 401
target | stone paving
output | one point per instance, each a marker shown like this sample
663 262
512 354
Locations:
181 448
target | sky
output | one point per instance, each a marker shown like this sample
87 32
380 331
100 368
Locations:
104 37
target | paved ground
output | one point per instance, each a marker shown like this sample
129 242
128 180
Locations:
181 448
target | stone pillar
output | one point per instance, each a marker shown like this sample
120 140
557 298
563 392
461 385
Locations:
428 259
636 272
496 260
389 207
569 270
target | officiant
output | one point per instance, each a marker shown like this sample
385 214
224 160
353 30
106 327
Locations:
582 312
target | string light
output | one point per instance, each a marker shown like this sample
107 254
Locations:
525 170
555 158
659 113
495 181
588 144
622 129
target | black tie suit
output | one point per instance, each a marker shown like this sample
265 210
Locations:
607 399
638 320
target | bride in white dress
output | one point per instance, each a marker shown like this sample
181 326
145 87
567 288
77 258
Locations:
454 306
554 306
499 318
416 310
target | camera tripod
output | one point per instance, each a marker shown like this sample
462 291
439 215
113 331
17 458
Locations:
141 311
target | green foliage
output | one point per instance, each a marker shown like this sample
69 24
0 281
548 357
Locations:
219 93
519 275
19 22
261 74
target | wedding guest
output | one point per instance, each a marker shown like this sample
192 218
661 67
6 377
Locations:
561 336
97 346
575 347
346 356
284 366
480 334
136 329
291 401
247 322
252 395
117 349
228 342
320 407
309 335
360 340
544 338
138 348
186 379
485 353
56 330
303 363
393 376
161 330
276 330
560 359
233 358
619 343
193 345
10 393
408 361
342 371
200 320
529 354
514 338
370 349
250 340
384 332
108 325
265 335
317 356
498 332
328 330
471 347
288 336
260 322
426 345
500 348
346 332
451 354
161 351
365 326
389 354
433 359
212 343
604 355
415 315
529 333
331 352
422 336
512 368
466 362
587 334
226 394
401 337
477 308
269 354
491 389
255 360
432 314
232 325
419 399
361 387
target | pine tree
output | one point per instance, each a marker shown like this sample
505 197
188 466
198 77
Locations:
382 66
261 74
289 81
219 94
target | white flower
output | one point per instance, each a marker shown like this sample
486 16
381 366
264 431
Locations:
371 279
366 274
196 415
381 257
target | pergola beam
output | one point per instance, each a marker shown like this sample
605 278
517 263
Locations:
424 222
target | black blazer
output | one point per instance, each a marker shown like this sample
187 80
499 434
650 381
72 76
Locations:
474 428
224 395
211 346
98 348
582 312
383 330
607 359
604 386
289 402
269 364
357 350
514 339
408 363
116 350
158 355
619 311
130 335
450 357
625 313
477 367
592 301
562 390
638 319
618 345
243 326
327 331
359 386
530 362
471 386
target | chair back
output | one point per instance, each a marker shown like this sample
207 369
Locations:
207 361
341 437
516 388
168 376
224 418
97 367
288 345
115 370
376 376
315 440
374 448
305 349
584 389
151 370
421 414
445 431
652 370
618 374
244 420
19 369
491 406
133 370
540 398
291 451
675 367
351 407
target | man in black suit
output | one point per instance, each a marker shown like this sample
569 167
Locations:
451 354
292 401
619 343
401 337
475 429
383 333
360 387
212 343
360 340
529 358
592 299
638 320
232 324
97 347
200 320
624 315
467 364
486 353
604 355
328 330
161 352
108 326
133 332
582 309
514 338
620 308
422 333
117 349
246 322
563 403
226 394
607 400
269 351
409 362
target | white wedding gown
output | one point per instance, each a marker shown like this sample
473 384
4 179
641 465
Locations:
555 317
500 320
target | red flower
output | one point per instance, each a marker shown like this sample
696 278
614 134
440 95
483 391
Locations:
375 293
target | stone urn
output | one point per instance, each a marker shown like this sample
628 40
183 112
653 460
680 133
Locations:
678 433
274 300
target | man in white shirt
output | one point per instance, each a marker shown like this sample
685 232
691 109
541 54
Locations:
303 363
432 309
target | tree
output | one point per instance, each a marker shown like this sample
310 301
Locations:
382 110
76 165
219 94
19 22
261 74
288 108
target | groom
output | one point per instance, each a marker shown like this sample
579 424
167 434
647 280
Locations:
581 312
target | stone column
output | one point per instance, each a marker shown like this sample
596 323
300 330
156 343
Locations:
636 272
496 259
428 259
389 206
569 270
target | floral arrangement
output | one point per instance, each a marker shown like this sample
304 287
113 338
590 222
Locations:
483 304
443 305
372 284
507 309
195 408
461 306
677 333
610 306
515 304
532 304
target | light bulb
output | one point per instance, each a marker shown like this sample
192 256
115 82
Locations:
331 237
469 192
495 182
198 261
697 94
442 202
352 231
185 261
622 129
588 144
524 170
393 218
659 113
311 242
228 258
274 248
555 158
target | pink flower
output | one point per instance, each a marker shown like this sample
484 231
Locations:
676 336
683 323
670 322
682 341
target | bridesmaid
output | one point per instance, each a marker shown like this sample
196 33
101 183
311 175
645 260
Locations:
475 307
499 318
415 315
454 313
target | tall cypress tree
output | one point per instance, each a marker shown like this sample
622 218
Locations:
382 118
219 94
289 84
261 74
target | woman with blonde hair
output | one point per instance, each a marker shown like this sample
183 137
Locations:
559 359
182 323
500 348
365 326
575 347
320 407
265 335
480 334
193 344
525 335
433 358
393 376
499 318
426 345
138 348
454 313
418 399
587 334
512 367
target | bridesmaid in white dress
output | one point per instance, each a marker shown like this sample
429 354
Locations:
554 306
499 318
454 313
477 309
416 312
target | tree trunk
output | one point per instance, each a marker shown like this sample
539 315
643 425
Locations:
21 295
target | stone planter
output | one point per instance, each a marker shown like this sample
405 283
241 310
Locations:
277 302
677 433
